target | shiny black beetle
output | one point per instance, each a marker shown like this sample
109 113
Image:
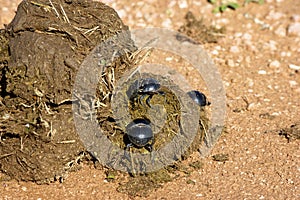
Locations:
139 134
144 88
199 98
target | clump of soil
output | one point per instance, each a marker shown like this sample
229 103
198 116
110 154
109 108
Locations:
197 30
41 50
291 133
220 157
143 185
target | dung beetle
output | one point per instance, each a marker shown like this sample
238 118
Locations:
140 134
199 98
149 86
144 88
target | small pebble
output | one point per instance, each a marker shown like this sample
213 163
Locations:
238 34
296 18
274 64
286 54
294 67
183 4
275 114
215 52
250 82
218 47
272 45
222 21
167 23
247 36
5 9
230 63
251 106
261 197
280 31
248 59
293 83
274 15
262 72
169 58
234 49
294 29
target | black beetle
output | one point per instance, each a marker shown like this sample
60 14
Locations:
199 98
148 86
144 87
140 134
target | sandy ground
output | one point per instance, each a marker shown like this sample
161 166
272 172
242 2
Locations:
259 61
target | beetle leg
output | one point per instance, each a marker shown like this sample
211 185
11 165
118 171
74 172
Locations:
161 93
127 151
128 156
134 98
148 101
149 147
141 99
147 98
128 146
152 158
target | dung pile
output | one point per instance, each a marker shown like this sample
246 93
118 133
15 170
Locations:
41 51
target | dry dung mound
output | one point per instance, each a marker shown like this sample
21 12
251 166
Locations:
41 50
